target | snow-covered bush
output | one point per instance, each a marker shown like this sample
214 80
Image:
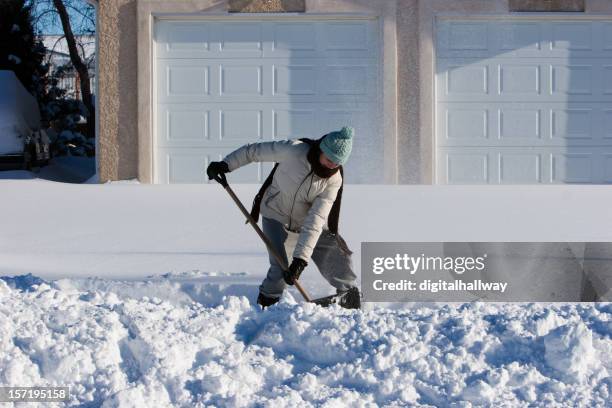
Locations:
66 118
70 143
22 52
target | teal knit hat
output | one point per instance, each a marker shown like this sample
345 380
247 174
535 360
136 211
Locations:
337 145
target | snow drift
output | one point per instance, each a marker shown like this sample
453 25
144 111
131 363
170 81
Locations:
170 319
115 345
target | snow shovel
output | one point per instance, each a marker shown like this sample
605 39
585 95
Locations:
349 299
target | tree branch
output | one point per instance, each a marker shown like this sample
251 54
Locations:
78 64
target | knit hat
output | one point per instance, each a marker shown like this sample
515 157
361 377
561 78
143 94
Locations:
337 145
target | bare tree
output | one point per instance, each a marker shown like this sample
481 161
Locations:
78 64
83 23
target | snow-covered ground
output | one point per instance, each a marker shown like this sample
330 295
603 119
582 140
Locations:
128 230
116 348
143 296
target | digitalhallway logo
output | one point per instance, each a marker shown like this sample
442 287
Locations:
486 271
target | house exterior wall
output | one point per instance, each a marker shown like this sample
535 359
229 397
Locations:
408 55
408 144
117 87
126 103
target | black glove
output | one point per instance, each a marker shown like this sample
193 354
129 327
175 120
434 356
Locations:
216 168
294 271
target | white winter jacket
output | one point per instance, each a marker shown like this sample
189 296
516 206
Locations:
297 197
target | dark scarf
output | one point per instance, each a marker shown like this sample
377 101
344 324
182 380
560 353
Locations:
334 214
313 158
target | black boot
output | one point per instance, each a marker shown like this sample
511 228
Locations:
266 301
350 299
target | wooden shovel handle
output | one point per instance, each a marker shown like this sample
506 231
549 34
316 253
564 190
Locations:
265 239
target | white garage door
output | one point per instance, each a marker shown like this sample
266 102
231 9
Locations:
524 102
221 84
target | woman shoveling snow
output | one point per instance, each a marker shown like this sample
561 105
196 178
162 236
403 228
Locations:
303 190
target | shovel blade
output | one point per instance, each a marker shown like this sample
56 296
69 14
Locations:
348 300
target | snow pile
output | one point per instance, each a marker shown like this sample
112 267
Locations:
179 329
569 349
115 347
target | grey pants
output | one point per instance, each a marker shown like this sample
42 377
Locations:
335 265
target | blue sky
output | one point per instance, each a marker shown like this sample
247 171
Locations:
54 26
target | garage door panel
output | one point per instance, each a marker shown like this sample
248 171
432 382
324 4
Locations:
240 125
572 167
242 36
467 168
572 123
606 121
202 125
186 126
348 79
607 168
487 80
192 39
188 165
466 123
528 38
294 37
524 165
466 79
294 123
181 80
297 80
345 36
516 123
520 168
197 126
572 79
477 124
177 79
530 103
518 80
292 80
240 39
182 166
463 36
606 36
523 38
524 124
186 38
235 82
242 80
571 36
501 79
606 80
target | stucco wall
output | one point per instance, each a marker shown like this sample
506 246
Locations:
117 99
408 144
